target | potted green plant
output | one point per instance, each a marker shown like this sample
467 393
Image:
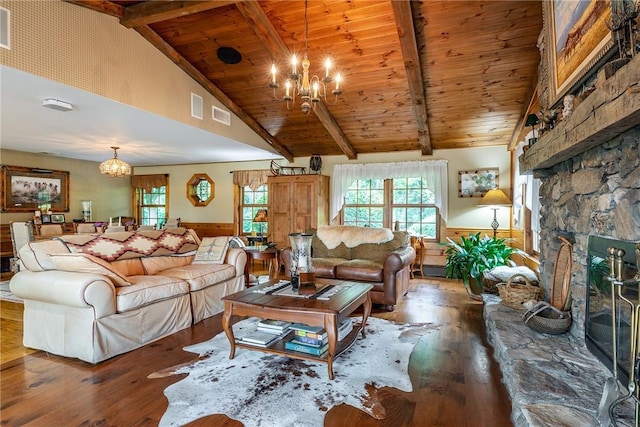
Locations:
469 258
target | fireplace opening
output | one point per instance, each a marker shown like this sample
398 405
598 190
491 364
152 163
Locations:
605 294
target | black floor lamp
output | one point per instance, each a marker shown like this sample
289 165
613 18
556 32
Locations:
495 198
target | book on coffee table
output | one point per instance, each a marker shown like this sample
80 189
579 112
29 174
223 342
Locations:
260 338
307 349
273 326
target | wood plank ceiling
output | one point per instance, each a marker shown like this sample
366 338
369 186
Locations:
418 75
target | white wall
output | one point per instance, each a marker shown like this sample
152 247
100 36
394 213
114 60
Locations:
463 212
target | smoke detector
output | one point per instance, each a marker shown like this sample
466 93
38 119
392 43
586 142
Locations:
56 104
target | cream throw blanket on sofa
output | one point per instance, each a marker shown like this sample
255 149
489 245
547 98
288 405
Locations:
352 236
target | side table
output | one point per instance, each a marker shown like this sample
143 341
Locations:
271 254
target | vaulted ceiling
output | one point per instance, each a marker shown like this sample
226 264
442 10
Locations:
417 75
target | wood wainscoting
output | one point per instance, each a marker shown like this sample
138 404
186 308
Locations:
211 229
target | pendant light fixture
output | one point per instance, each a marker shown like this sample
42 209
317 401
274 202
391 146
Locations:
115 167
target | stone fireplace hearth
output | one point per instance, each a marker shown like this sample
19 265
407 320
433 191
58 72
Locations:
553 380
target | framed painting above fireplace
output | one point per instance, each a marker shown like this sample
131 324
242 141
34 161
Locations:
576 39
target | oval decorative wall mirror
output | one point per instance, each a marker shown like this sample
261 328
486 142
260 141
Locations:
200 189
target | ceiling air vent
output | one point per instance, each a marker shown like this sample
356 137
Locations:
196 106
222 116
4 28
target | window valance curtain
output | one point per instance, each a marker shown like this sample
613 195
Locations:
251 178
434 171
147 182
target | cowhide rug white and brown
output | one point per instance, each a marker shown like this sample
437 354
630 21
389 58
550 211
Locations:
260 389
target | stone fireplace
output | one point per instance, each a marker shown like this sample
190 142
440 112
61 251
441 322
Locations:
589 166
594 193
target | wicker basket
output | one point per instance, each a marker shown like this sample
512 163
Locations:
545 318
514 294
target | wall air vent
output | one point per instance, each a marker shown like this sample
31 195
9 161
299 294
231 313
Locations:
5 18
220 115
196 106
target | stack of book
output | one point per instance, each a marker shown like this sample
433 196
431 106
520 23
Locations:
267 332
274 326
313 339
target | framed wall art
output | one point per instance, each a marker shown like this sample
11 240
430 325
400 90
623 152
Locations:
57 218
29 189
477 183
576 39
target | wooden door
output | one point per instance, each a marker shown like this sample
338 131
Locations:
280 194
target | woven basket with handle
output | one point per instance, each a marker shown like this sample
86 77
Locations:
515 294
545 318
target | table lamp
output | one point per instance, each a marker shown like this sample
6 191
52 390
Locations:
495 198
261 217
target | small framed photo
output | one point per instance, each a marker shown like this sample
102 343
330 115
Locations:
477 183
57 218
46 218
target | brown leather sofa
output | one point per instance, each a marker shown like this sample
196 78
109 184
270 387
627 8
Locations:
387 266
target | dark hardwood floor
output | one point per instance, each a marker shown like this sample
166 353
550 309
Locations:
455 379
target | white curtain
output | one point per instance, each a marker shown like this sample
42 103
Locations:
434 171
520 180
531 198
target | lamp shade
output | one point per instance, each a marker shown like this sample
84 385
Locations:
495 197
261 216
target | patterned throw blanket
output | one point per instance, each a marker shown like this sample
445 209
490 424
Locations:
352 236
130 244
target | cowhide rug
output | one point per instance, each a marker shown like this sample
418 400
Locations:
260 389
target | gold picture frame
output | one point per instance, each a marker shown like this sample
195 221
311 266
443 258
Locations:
24 189
576 39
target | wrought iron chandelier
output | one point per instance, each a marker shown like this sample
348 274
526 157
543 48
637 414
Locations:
115 167
309 89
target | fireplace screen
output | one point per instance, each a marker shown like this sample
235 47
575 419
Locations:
600 318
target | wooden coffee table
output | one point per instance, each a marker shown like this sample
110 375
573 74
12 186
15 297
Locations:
314 312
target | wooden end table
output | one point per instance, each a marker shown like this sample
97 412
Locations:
271 254
313 312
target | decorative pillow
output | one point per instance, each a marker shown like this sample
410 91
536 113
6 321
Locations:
85 263
35 255
212 250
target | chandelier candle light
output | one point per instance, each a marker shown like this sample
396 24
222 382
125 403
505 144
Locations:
309 89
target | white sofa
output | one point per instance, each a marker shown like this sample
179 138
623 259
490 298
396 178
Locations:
93 297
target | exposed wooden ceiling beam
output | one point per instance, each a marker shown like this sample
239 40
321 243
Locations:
265 31
519 128
102 6
172 54
155 11
407 34
334 130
